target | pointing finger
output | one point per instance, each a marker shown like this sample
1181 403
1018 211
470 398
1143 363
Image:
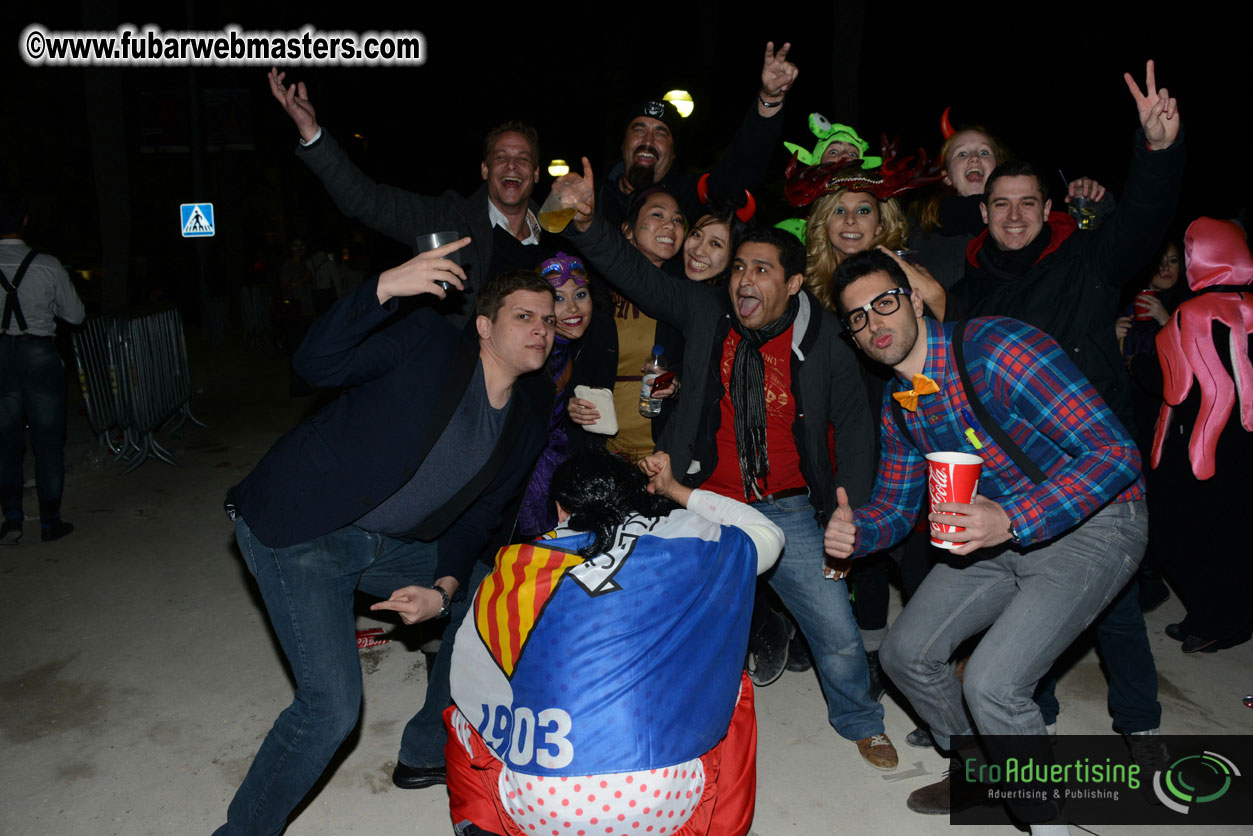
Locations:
445 249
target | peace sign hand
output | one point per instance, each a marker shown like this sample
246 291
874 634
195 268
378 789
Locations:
1159 113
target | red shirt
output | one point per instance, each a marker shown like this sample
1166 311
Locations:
785 460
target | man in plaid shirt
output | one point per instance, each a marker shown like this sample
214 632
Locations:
1037 561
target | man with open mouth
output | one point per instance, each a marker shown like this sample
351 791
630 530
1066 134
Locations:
1032 264
767 382
499 216
648 148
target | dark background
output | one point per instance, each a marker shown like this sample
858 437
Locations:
102 153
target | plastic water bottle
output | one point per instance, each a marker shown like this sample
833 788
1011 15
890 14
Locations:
651 407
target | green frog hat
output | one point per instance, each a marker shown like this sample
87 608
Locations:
828 133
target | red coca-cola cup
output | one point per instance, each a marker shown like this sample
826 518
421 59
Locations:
1142 313
951 477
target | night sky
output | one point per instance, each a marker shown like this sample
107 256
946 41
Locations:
1052 88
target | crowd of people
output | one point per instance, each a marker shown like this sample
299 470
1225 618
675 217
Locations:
594 564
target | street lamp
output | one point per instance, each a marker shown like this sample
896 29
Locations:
682 101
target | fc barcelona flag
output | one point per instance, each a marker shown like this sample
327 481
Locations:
513 597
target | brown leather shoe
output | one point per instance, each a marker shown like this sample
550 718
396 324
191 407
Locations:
933 799
878 751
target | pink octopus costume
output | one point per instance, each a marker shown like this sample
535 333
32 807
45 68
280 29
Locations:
1202 454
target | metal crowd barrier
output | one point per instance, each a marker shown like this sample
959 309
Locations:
134 377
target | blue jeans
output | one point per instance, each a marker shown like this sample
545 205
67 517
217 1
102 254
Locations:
308 592
32 394
1033 603
422 744
1124 645
822 611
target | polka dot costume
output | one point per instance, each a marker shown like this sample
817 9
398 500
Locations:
652 801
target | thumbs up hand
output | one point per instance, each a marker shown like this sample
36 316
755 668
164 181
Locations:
841 533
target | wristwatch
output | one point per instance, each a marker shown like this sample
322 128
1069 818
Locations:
1013 535
447 602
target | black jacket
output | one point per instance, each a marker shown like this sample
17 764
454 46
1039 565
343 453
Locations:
404 215
743 167
826 382
1071 292
404 379
595 364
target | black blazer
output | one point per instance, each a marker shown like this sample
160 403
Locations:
404 377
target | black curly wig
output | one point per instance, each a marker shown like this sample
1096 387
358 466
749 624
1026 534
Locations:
600 490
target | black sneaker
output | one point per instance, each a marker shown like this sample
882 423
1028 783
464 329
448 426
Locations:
1151 755
934 799
11 533
1198 644
416 777
54 530
768 650
920 738
878 684
798 658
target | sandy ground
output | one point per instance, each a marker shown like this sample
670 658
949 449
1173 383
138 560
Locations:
139 674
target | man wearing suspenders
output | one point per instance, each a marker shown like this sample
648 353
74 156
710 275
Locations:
35 290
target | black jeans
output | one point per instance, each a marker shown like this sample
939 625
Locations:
32 395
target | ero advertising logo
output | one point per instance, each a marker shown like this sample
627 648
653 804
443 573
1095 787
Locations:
1194 780
1100 779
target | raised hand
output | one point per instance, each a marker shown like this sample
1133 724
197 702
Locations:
1085 187
582 189
841 534
921 282
656 466
295 100
661 481
422 274
777 73
1159 113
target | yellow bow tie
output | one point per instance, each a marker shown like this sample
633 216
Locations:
923 385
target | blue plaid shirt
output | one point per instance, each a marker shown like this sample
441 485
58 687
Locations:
1041 400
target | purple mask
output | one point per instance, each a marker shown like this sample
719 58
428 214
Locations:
561 268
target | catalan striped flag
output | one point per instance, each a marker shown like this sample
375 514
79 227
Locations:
513 596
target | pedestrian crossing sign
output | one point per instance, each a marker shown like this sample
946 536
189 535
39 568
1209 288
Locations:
197 220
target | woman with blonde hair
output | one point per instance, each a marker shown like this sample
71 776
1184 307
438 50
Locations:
856 209
843 223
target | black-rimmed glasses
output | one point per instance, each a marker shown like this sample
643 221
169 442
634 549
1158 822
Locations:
885 304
